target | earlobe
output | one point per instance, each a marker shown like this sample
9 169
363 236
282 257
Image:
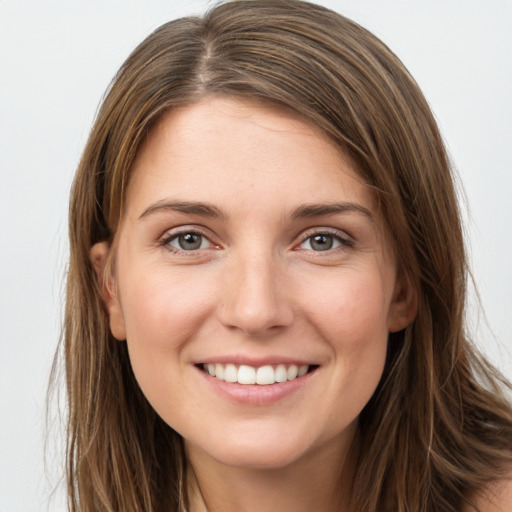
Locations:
404 305
99 258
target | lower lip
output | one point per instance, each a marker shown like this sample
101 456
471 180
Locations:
256 394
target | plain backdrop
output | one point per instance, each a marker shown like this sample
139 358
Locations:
57 58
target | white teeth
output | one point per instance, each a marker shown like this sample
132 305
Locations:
264 375
303 369
246 375
281 374
292 372
230 373
219 371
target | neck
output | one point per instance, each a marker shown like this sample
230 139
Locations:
319 482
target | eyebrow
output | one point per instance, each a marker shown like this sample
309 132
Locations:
305 211
190 207
309 211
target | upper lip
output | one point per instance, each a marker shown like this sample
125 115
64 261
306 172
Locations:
256 362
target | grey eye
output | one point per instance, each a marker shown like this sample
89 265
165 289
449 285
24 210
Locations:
321 242
189 242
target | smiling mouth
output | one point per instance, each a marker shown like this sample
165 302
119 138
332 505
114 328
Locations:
263 375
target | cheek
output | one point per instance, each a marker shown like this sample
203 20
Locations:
350 308
162 312
351 317
164 305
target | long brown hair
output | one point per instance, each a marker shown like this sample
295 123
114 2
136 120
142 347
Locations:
438 427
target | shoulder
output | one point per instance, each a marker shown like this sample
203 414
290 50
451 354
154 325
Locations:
496 498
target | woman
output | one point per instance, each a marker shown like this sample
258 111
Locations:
267 283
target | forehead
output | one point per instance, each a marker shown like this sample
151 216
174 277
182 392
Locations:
221 146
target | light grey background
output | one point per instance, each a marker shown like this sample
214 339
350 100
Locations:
56 59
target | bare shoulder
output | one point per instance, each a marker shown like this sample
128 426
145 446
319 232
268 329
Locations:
497 497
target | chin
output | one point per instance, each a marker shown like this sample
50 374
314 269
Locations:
257 457
254 450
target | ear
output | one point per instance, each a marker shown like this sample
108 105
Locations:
99 257
404 305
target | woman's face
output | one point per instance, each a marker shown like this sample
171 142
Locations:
251 250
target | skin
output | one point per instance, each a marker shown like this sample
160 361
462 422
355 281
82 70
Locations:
496 498
256 290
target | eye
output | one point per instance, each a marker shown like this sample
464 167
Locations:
320 242
186 241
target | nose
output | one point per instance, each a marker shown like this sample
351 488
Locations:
254 297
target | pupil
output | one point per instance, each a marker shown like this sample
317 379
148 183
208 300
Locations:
322 242
190 241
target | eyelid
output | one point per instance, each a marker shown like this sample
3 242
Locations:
173 233
343 237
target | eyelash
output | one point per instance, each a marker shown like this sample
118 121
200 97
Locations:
169 237
344 241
